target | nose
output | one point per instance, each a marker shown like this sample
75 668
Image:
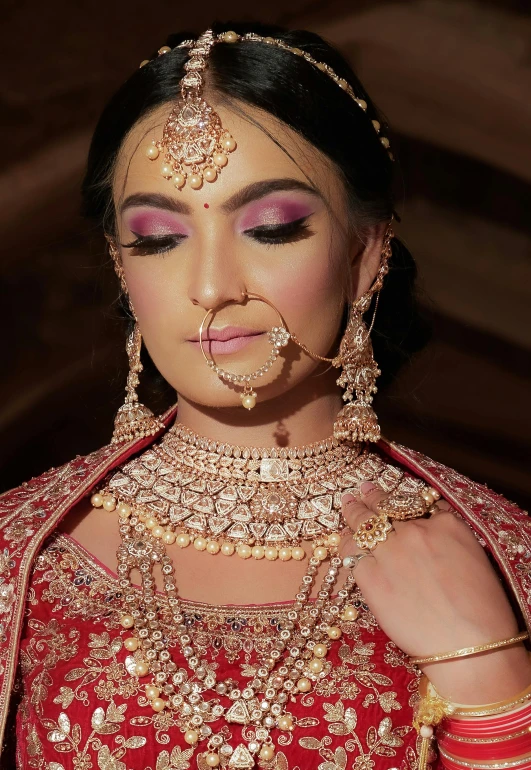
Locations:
215 279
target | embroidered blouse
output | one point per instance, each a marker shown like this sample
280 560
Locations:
81 708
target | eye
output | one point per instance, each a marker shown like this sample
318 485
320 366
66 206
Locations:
144 245
273 234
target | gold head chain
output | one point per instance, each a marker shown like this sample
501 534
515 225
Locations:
194 145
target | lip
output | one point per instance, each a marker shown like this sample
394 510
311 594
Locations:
230 339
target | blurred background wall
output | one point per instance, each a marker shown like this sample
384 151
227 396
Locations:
454 80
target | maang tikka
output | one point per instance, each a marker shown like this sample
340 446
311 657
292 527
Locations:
194 147
133 419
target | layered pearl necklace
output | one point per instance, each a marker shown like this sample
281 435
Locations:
147 492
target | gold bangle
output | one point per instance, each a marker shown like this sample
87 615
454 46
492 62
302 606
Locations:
430 694
466 651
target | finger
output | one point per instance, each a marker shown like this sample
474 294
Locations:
356 509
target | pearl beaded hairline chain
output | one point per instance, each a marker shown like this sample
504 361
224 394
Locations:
234 37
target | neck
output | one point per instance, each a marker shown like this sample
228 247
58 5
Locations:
304 414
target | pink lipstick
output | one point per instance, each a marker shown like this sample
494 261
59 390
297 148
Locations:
230 339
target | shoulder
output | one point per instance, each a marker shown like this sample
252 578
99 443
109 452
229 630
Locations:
500 525
475 497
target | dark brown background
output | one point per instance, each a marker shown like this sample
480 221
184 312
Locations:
453 79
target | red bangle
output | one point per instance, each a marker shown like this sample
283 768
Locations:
489 749
494 726
454 763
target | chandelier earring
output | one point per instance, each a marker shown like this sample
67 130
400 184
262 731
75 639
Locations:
357 420
133 419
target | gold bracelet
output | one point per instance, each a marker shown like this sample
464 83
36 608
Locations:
466 651
430 698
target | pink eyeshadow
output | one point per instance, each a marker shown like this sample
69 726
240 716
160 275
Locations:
275 211
154 223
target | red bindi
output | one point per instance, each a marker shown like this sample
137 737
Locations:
206 205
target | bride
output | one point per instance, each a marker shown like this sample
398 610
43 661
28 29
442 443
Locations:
257 578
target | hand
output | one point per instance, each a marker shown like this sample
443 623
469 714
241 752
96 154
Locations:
432 589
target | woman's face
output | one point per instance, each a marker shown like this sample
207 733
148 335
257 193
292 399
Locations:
262 227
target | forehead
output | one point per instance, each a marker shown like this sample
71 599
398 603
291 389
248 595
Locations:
266 148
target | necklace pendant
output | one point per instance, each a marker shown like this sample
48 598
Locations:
274 469
241 758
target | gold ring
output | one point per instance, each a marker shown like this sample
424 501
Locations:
371 532
407 505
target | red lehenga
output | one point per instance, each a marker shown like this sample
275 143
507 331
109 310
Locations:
68 702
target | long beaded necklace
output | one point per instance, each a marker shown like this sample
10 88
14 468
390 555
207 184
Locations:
298 657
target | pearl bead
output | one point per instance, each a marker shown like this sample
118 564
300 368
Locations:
285 722
267 752
210 174
141 668
166 171
152 152
284 554
124 510
334 539
298 553
258 552
200 544
231 37
342 83
320 650
212 760
213 546
376 124
350 612
144 62
227 549
109 503
131 644
158 531
183 539
320 552
426 731
196 181
179 180
127 621
248 401
315 665
385 141
164 49
97 500
168 537
304 685
157 704
220 159
191 736
334 632
271 553
362 103
152 691
150 522
229 144
244 551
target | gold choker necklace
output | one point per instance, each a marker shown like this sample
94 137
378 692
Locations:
259 503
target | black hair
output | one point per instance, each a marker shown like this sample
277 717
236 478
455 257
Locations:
306 99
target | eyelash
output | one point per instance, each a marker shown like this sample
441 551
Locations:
268 235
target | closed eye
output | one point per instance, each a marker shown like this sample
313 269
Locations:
274 234
144 245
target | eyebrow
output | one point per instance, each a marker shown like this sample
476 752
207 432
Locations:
247 194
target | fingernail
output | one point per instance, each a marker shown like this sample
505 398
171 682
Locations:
347 497
366 488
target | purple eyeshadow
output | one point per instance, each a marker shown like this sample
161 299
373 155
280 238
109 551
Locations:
154 223
274 211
